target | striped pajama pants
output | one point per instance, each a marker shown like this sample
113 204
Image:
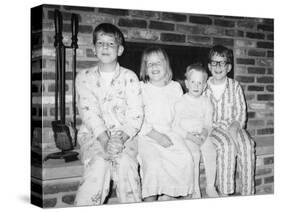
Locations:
228 150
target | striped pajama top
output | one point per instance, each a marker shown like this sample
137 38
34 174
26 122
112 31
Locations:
230 107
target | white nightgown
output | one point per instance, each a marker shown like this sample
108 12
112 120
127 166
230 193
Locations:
168 170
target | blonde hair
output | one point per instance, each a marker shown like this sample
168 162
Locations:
162 54
196 67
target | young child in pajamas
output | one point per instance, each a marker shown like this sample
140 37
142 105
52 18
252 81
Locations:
193 121
166 163
110 105
229 134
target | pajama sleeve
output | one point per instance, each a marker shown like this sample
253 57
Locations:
240 106
208 118
146 127
177 92
177 109
88 105
134 113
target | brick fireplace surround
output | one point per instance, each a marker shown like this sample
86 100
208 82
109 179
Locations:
54 183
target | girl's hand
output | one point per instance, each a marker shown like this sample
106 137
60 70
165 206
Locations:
160 138
164 140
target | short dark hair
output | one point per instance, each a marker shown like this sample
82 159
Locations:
108 28
221 51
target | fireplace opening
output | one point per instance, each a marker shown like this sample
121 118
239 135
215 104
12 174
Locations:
180 57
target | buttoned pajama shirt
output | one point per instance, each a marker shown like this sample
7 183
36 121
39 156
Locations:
229 108
118 107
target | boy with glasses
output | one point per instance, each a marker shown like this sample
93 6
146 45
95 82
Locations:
110 106
229 118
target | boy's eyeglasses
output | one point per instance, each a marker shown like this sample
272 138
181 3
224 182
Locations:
220 63
100 44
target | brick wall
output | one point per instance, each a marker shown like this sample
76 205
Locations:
250 38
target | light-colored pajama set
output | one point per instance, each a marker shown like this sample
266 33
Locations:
230 107
118 107
192 115
164 170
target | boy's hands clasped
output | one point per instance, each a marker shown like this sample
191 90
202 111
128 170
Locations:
116 144
113 144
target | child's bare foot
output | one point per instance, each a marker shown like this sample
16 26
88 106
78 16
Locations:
223 195
211 191
196 194
165 198
189 196
150 199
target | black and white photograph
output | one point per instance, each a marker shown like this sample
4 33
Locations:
143 107
134 106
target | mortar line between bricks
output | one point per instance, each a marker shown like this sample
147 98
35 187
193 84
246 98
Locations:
63 178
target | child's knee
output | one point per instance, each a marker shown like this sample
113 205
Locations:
96 162
246 141
244 136
193 152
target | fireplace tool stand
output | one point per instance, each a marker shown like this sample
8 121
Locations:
65 135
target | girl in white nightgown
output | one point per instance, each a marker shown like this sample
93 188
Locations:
166 163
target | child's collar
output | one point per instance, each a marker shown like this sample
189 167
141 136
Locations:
209 82
116 71
209 88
